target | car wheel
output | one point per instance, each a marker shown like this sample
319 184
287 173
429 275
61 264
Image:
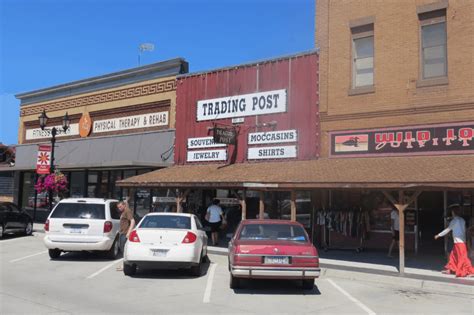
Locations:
2 231
234 282
54 253
308 284
129 270
29 228
114 251
197 270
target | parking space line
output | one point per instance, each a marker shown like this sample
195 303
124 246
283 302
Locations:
104 269
26 257
16 239
210 279
353 299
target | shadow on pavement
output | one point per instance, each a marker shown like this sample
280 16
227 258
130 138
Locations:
274 287
83 256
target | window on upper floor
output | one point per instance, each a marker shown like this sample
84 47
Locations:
362 56
433 45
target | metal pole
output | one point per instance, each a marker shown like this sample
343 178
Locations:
401 213
51 169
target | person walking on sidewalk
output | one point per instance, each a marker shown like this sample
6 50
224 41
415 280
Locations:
127 223
395 227
458 262
215 216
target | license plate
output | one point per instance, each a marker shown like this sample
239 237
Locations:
75 231
159 252
277 260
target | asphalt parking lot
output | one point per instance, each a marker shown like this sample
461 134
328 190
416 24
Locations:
83 283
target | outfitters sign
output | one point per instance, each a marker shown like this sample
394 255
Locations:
417 140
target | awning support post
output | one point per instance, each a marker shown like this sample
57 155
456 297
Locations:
180 198
242 202
293 205
262 205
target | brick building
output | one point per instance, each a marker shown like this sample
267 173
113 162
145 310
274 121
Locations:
397 90
122 124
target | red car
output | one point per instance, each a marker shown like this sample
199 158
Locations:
272 249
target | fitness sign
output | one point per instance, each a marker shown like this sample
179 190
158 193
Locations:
435 139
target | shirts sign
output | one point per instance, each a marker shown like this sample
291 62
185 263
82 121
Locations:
43 160
254 104
131 122
280 152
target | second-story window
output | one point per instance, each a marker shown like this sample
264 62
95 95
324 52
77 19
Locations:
433 45
362 56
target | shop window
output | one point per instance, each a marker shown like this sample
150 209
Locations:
142 202
28 192
93 177
77 184
116 191
433 45
363 56
129 173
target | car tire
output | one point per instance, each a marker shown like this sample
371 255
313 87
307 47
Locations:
114 251
2 231
54 253
308 284
234 282
197 270
29 228
129 270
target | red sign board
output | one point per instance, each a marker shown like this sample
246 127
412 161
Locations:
43 161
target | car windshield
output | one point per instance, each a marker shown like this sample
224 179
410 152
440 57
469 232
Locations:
287 232
165 222
79 211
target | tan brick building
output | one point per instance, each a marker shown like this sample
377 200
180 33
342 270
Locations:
396 84
121 124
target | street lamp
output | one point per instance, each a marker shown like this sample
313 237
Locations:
43 120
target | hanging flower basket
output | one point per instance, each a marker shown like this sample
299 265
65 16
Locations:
55 182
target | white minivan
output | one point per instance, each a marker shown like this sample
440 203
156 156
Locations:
83 224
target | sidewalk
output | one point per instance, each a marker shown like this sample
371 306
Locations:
421 272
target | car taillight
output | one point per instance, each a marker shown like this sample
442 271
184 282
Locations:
107 226
134 237
46 226
189 238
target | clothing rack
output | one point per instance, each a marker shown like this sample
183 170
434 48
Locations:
348 222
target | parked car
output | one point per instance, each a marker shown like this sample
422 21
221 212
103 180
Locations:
83 224
14 219
272 249
167 241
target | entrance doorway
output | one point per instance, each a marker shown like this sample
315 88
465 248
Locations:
430 221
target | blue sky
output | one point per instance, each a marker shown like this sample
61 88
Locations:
49 42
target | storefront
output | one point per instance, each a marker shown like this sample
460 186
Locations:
121 125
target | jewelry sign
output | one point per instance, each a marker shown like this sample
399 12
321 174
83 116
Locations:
43 160
416 140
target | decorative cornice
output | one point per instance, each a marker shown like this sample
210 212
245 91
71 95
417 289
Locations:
138 91
398 112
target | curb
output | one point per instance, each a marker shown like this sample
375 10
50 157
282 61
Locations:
385 277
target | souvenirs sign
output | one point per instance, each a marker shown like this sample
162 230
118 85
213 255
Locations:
43 160
254 104
203 142
131 122
280 152
430 139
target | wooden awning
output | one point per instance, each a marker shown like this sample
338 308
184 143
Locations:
416 172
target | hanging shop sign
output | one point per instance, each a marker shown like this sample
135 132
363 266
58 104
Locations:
229 201
206 156
85 125
203 142
280 152
416 140
43 160
273 137
164 199
37 133
131 122
254 104
224 135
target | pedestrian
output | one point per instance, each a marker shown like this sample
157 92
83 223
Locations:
127 223
215 217
458 262
395 228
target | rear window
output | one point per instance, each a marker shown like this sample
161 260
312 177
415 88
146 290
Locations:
285 232
166 222
79 211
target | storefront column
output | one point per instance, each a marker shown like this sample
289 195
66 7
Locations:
445 208
262 206
243 203
293 205
181 198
